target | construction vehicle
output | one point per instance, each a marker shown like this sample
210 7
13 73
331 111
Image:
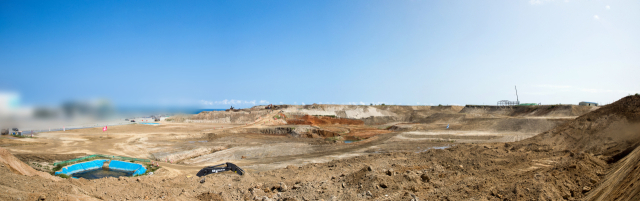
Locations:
5 131
220 168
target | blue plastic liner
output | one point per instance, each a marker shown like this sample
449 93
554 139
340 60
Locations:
81 167
137 169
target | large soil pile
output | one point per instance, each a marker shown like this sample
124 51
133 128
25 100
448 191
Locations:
18 167
313 120
611 131
622 182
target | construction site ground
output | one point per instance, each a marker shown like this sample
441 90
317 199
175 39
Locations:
451 153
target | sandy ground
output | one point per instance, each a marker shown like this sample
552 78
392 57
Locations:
421 159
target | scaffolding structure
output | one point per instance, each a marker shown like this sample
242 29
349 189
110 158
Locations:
508 103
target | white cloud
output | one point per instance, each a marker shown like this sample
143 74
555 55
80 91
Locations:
280 103
228 102
534 2
264 102
303 103
596 17
608 7
538 2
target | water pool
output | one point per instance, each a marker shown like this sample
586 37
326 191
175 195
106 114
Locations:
101 173
150 123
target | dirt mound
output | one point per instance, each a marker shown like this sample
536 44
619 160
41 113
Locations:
528 111
19 167
313 120
622 183
612 130
208 196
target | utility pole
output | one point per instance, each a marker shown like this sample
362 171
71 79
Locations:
517 99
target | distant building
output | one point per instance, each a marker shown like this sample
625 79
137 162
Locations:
585 103
508 103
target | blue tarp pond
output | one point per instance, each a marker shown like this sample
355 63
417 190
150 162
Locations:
150 123
132 169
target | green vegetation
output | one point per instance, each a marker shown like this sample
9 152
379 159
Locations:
64 176
151 168
336 138
383 104
22 136
99 156
57 168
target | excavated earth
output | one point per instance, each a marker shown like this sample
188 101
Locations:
405 153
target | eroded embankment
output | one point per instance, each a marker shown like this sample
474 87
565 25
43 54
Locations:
378 115
529 111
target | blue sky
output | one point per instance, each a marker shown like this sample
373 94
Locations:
213 54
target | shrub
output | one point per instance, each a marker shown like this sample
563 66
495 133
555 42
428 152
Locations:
57 168
64 176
